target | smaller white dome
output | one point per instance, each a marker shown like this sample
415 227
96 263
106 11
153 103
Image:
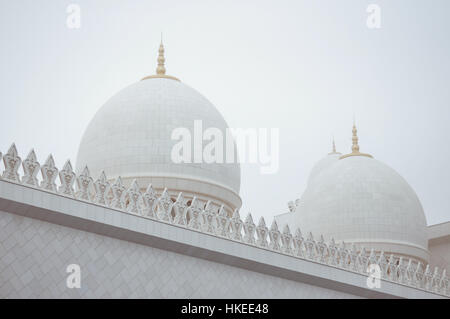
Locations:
361 200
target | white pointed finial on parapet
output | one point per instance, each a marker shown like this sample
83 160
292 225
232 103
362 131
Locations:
222 211
298 233
31 168
151 192
135 186
84 184
67 178
262 222
102 187
12 163
49 174
249 218
180 198
274 226
321 239
332 242
236 214
133 196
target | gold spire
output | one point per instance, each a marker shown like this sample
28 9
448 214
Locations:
355 145
161 69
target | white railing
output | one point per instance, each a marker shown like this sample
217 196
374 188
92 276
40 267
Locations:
207 218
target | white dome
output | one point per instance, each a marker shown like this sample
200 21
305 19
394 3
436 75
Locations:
323 165
361 200
130 136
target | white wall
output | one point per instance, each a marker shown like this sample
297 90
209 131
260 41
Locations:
127 255
440 255
34 255
439 245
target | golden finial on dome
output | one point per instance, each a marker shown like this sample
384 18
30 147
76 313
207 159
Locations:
333 151
355 145
161 68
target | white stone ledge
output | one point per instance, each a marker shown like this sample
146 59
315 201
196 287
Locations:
58 209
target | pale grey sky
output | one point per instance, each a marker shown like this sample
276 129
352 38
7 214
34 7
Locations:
303 66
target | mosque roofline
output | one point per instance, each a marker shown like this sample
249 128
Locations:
16 188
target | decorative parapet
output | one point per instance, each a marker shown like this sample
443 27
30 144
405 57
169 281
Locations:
204 217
